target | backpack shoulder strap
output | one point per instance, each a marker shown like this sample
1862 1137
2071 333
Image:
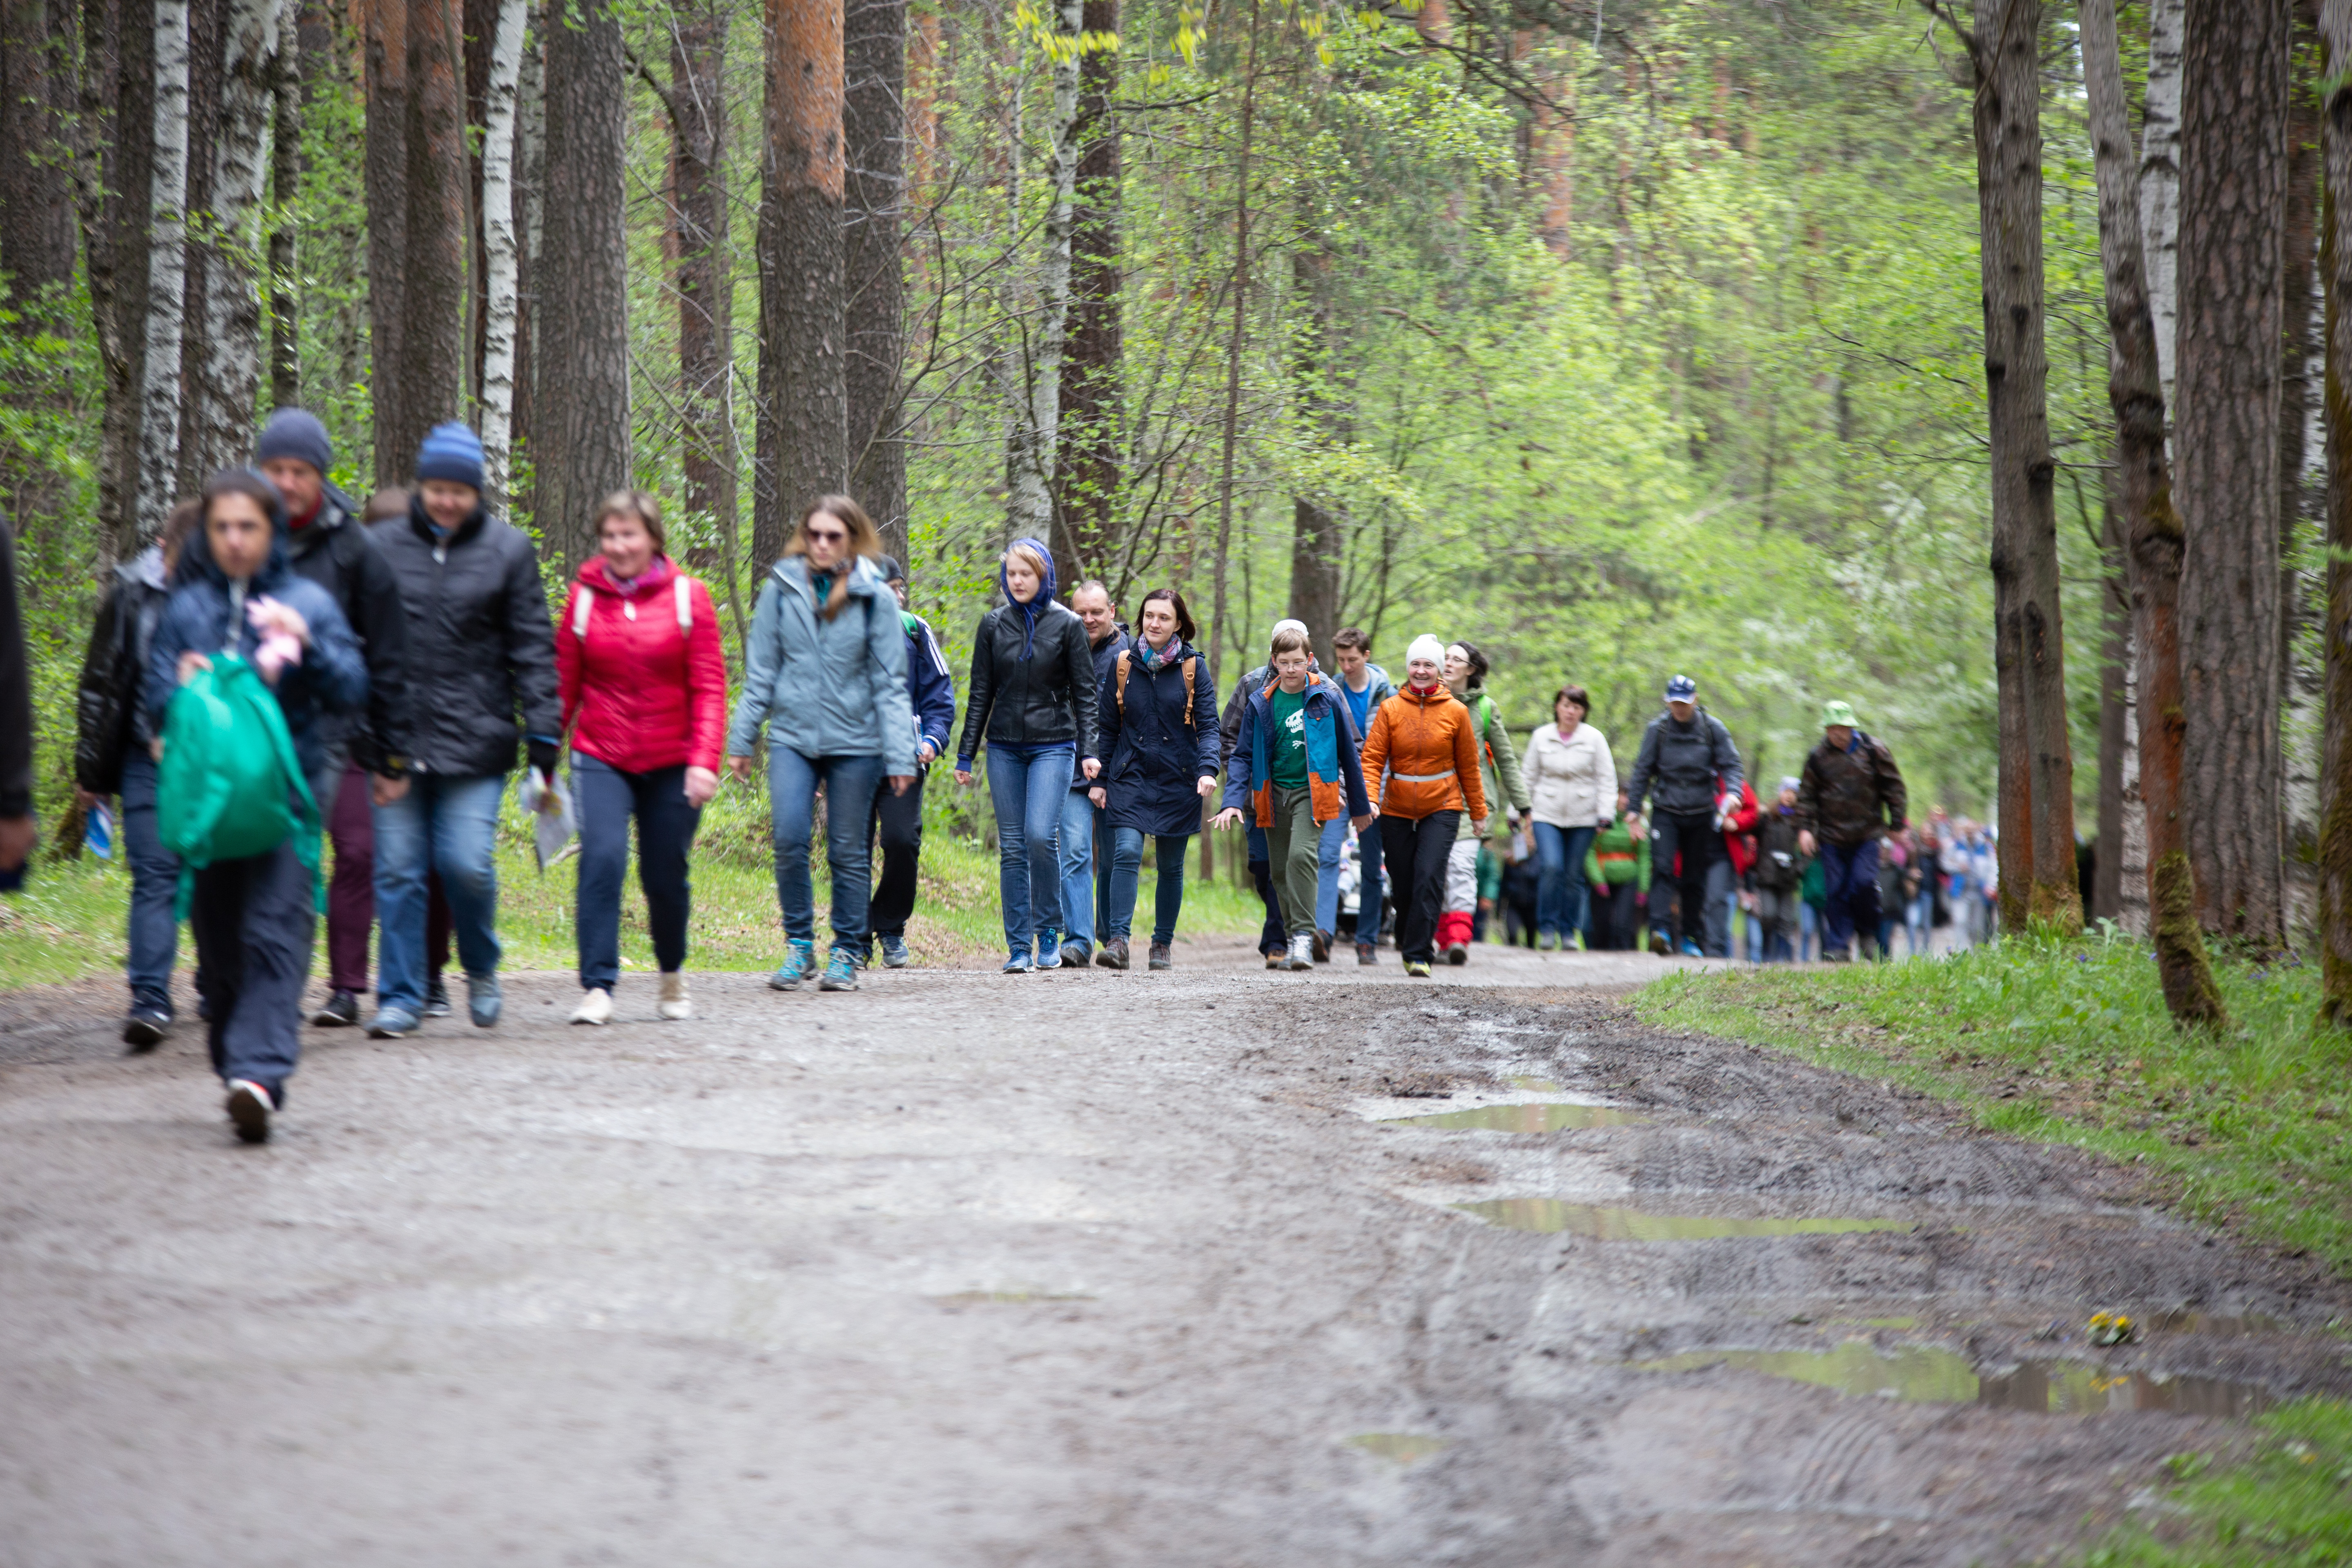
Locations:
1190 664
685 604
1119 686
581 606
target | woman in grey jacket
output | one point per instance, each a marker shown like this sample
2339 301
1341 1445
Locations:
827 671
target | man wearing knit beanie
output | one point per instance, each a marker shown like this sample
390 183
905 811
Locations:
367 755
481 678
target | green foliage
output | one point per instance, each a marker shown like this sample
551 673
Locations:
2290 1503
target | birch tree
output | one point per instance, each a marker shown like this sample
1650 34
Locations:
1036 427
2334 914
241 148
499 250
167 222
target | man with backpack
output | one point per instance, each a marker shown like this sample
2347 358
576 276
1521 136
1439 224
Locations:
1851 796
1688 761
1780 874
899 818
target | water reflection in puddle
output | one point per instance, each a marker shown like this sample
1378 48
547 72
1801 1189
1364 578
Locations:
1542 1118
1929 1375
1405 1448
1600 1223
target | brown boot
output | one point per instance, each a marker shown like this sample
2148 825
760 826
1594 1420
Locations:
1113 955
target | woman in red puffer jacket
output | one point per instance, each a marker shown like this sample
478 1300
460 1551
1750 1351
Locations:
645 700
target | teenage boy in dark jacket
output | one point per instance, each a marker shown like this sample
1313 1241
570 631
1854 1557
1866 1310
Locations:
1851 796
481 656
367 753
899 818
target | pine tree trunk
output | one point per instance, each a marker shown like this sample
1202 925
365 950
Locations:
1089 469
231 382
2159 180
705 281
2335 901
36 211
2144 489
285 192
583 345
159 397
499 102
1221 633
2298 497
1036 428
114 151
385 33
874 119
433 341
803 388
2233 210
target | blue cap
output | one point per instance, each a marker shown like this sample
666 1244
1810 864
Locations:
1682 688
451 452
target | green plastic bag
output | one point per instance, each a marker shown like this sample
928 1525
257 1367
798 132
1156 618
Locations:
228 769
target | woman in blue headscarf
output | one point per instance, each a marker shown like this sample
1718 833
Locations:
1032 701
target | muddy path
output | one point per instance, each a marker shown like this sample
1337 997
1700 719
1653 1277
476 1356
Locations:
1078 1269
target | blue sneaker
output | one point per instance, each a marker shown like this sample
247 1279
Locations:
1049 949
482 999
800 962
392 1022
894 952
1691 949
1019 963
840 972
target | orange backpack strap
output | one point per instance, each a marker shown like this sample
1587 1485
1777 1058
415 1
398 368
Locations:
1189 665
1119 688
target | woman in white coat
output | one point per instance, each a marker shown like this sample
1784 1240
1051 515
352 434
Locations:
1572 780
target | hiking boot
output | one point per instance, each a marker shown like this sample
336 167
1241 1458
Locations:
1366 954
1077 955
1276 958
1322 947
840 972
341 1011
894 952
1161 958
673 1002
1459 954
436 997
249 1106
1302 952
1049 949
392 1022
482 1000
1415 970
595 1007
143 1029
1113 955
800 962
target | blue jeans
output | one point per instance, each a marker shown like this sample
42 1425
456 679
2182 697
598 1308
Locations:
1850 892
1272 937
444 823
1562 896
605 798
1029 787
1328 851
154 887
1080 826
1126 881
849 785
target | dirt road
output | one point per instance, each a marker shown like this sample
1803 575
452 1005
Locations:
1079 1269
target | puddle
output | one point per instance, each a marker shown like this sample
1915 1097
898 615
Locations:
1405 1448
1536 1085
2219 1325
1926 1375
1545 1117
1598 1224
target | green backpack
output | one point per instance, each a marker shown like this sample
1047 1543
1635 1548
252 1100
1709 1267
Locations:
228 767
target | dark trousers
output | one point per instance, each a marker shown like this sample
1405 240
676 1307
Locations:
605 798
154 887
897 827
350 895
1273 936
1616 927
1519 922
1416 852
254 926
1701 845
1849 892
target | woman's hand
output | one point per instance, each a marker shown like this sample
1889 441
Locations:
1100 796
191 662
1229 817
1365 821
1206 787
702 783
1091 768
964 775
740 766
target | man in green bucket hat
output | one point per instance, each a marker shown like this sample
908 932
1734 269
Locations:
1850 796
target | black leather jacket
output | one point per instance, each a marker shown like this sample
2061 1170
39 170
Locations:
336 553
109 717
1044 700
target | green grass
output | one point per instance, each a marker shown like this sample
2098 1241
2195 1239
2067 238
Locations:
2289 1503
67 924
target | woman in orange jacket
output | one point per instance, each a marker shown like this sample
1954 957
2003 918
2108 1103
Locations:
1421 769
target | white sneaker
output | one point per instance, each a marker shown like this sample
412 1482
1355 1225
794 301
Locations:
596 1007
1302 951
674 1004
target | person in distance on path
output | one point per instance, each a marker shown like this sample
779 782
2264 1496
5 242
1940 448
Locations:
643 680
1688 761
899 818
1158 719
1365 686
1296 764
1498 766
1849 796
1082 841
253 916
1421 773
826 670
1573 786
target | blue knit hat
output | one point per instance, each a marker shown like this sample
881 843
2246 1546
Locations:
450 452
295 433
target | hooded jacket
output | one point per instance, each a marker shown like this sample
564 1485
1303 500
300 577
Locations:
931 689
336 553
1689 767
1378 689
1780 863
1499 760
480 654
1105 651
1851 796
1159 728
331 678
110 708
1422 757
1335 777
826 687
1033 676
643 676
1572 783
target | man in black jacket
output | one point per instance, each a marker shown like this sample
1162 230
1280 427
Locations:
480 652
1687 758
367 756
1084 855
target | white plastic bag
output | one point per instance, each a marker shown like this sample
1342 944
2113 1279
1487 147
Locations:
554 823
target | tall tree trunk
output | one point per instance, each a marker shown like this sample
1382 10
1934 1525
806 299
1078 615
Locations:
384 46
1089 469
207 51
1221 633
1314 532
478 23
2144 488
433 341
36 212
531 239
2038 880
159 397
803 388
2335 913
2159 180
2298 758
285 192
498 250
874 120
1037 427
231 383
2233 213
115 154
706 286
2114 715
583 347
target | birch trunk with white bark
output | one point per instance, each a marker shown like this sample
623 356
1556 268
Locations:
241 148
167 222
500 250
1037 433
2159 178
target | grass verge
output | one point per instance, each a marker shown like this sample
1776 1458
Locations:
2289 1503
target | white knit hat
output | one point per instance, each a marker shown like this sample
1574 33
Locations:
1287 624
1425 647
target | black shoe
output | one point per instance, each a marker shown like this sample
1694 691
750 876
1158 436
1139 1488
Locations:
1459 954
437 998
1322 947
341 1011
1161 958
143 1029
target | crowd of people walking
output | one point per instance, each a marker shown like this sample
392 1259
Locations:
401 659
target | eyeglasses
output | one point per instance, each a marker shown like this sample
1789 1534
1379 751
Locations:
827 535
